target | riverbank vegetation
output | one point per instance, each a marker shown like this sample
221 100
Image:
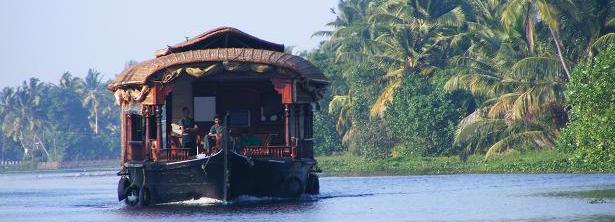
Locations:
468 86
419 86
74 119
543 161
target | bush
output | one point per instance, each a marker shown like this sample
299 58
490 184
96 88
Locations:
422 119
373 140
326 139
590 135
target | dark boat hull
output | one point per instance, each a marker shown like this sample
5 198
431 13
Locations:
195 178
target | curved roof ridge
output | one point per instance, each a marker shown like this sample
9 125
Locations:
221 37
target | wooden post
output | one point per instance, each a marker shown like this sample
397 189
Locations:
147 132
298 137
123 139
225 140
159 127
287 124
128 135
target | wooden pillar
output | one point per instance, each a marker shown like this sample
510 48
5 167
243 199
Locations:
287 124
123 139
298 129
128 136
147 143
159 126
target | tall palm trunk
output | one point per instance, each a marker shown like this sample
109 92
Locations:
529 31
559 52
96 121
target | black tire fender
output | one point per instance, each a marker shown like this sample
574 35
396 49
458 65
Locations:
313 184
293 187
132 196
122 188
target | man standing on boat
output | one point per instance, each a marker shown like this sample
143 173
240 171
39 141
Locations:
188 129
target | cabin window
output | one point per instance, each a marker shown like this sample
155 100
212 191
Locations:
204 108
271 109
138 129
153 128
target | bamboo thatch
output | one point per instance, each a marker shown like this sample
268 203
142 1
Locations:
138 74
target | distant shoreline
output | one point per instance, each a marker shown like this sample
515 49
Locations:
548 161
60 166
347 165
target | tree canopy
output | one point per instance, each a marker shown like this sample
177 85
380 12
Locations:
456 77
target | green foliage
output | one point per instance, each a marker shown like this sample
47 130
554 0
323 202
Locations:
423 119
326 139
505 65
591 133
42 121
541 161
373 140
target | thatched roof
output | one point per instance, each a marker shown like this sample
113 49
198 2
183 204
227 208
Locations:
138 74
222 37
224 44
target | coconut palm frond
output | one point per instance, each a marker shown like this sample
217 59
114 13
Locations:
385 97
455 18
477 135
502 105
548 14
603 41
610 22
477 115
340 106
338 103
477 84
537 68
527 137
509 17
322 34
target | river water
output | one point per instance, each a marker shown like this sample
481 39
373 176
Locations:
91 196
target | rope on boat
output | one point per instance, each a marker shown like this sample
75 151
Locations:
204 166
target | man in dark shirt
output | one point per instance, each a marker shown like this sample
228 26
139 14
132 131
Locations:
188 129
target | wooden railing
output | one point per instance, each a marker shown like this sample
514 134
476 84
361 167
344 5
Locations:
171 154
267 151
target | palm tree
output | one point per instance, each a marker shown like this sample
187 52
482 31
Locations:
91 92
7 109
529 12
23 119
518 102
70 82
342 107
351 35
350 43
411 37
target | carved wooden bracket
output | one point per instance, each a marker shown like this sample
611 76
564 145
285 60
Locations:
284 87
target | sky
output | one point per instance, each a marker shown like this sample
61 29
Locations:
45 38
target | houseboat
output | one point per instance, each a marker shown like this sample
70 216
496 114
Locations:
261 143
